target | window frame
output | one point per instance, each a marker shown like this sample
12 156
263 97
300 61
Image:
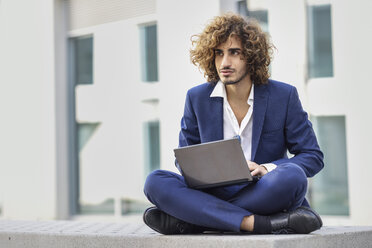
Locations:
143 52
310 41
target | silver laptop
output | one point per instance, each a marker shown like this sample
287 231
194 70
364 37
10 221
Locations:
213 164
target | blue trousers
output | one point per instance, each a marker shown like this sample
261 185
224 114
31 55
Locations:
224 208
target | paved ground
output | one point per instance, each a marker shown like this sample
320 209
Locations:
66 234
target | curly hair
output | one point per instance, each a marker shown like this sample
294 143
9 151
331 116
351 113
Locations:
257 49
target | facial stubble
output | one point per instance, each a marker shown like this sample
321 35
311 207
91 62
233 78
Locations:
236 81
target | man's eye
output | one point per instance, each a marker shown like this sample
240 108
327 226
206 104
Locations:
235 52
218 53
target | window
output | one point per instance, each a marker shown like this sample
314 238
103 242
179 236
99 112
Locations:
149 53
260 15
83 60
152 146
328 192
85 132
87 185
320 61
242 8
97 188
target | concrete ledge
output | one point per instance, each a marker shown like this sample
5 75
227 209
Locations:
66 234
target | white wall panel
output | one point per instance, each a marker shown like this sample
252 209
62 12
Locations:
27 107
85 13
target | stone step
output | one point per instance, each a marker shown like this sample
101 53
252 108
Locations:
71 234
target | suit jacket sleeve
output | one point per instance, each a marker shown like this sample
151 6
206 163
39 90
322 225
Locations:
189 134
300 138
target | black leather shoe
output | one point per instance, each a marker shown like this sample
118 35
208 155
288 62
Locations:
303 220
167 224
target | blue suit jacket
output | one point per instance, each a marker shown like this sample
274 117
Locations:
279 124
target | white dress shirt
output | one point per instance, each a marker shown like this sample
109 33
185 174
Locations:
231 126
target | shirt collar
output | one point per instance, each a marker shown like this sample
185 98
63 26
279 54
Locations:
220 91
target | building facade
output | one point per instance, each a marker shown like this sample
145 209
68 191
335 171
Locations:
92 94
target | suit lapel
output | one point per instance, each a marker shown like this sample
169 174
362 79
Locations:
259 110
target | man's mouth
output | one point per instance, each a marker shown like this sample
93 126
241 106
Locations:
226 72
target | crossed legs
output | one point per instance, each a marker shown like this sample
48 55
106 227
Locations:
224 208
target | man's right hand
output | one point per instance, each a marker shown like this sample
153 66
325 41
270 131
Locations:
256 169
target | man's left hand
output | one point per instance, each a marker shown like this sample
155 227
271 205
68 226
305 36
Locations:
256 169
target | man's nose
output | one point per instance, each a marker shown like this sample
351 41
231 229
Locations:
226 62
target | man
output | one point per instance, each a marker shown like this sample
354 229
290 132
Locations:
240 99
